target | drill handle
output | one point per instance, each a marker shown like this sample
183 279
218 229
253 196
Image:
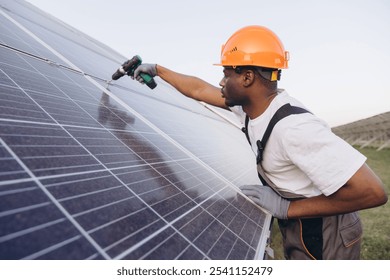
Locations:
148 80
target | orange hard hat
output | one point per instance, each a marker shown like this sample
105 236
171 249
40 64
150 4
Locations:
254 45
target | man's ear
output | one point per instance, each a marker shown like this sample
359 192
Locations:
248 77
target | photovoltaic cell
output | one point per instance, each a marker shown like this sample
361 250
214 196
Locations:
96 171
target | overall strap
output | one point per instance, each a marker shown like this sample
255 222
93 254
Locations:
245 129
281 113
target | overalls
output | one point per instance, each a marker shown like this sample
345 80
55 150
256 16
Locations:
332 237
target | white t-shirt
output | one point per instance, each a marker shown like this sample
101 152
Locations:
302 156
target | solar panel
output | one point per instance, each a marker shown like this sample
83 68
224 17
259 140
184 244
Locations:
96 171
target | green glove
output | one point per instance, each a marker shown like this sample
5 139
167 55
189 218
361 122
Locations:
265 197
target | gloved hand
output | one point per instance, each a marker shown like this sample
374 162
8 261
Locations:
145 68
267 198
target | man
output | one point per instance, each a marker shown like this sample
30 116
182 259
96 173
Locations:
320 181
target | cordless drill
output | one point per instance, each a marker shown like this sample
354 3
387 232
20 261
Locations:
128 68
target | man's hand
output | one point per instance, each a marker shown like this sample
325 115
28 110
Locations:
145 68
265 197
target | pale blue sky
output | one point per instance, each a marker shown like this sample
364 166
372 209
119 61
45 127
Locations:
339 49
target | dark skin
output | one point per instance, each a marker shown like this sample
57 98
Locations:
247 89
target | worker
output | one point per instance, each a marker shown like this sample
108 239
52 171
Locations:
320 181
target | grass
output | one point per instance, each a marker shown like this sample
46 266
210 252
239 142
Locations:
376 221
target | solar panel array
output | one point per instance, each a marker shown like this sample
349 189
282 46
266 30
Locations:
91 170
369 132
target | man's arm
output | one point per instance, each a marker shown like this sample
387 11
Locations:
363 190
189 86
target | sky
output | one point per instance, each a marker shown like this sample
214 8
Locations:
339 49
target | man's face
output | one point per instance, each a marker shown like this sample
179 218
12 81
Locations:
232 89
